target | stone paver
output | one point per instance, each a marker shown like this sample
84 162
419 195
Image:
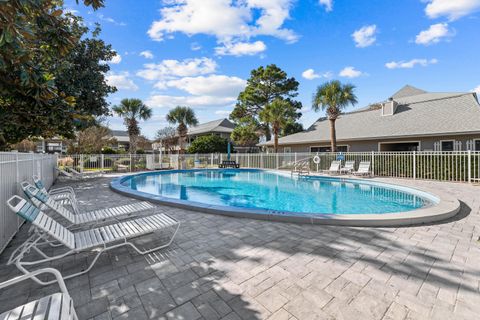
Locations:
228 268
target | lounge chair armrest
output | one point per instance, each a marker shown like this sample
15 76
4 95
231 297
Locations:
33 274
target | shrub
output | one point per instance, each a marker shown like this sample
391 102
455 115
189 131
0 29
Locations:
108 150
208 144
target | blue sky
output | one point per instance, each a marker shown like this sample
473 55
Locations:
200 52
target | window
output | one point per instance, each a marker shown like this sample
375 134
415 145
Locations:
287 149
399 147
321 149
477 145
448 145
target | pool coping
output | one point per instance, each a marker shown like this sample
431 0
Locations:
446 207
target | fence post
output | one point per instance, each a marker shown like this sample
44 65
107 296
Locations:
373 163
81 163
276 154
211 159
131 164
102 158
261 160
248 160
295 157
414 165
469 166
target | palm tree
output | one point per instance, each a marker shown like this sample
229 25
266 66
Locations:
183 117
278 115
132 111
334 97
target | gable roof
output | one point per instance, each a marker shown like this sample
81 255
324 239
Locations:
423 114
220 126
407 91
119 133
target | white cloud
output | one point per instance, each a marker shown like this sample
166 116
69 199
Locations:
213 85
350 72
228 21
110 20
434 34
121 81
116 59
452 9
147 54
410 64
223 112
310 74
241 48
328 4
477 90
168 69
365 36
167 101
195 46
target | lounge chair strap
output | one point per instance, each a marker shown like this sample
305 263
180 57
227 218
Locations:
56 306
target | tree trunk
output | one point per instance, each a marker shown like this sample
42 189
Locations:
275 141
333 136
133 144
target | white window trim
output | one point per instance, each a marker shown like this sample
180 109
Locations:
448 140
396 142
327 145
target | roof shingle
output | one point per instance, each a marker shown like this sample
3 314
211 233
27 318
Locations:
421 114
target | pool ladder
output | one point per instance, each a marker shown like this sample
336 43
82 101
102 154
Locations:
301 167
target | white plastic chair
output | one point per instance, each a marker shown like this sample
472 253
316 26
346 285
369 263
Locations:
99 240
56 306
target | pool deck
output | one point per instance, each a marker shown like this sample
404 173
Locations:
229 268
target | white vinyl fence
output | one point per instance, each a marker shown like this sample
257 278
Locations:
458 166
15 168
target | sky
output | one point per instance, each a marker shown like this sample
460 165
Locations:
199 53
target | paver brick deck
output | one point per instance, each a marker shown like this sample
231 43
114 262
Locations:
228 268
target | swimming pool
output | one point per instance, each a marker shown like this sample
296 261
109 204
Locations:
275 195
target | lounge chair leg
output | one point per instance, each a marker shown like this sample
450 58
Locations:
20 265
156 248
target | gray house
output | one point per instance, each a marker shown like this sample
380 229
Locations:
220 127
411 119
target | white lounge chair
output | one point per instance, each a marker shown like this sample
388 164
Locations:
75 175
57 306
65 173
62 200
56 193
39 198
334 167
85 174
101 239
363 169
348 168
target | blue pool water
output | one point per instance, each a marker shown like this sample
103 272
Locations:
257 189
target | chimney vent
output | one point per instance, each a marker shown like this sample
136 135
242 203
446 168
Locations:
389 107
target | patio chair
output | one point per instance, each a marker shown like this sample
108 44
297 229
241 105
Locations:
63 192
65 173
348 168
60 200
56 306
99 239
37 197
363 169
85 174
334 167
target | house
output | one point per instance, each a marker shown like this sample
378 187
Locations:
53 145
220 127
123 140
411 119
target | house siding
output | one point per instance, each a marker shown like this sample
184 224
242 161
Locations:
426 143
